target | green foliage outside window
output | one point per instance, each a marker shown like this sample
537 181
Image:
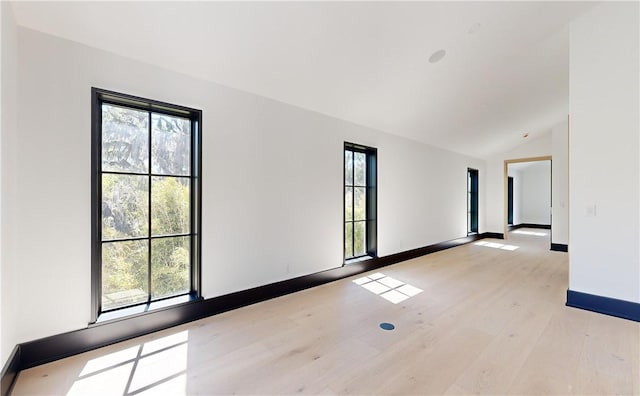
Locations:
126 206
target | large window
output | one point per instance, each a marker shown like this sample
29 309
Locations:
146 206
360 181
472 201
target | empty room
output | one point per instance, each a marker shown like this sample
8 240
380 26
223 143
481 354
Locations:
275 198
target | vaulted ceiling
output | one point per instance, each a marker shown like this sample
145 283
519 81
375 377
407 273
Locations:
505 71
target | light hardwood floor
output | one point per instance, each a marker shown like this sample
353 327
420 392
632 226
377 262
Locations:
488 321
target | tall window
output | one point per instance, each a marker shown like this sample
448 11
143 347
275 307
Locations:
146 205
360 179
472 201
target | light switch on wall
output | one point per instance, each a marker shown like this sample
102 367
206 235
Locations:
590 210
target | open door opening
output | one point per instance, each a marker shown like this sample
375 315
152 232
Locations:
527 194
510 201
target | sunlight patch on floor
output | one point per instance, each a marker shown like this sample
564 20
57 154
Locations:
530 233
497 245
387 287
155 367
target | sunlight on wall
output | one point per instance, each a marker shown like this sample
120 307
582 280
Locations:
157 367
387 287
497 245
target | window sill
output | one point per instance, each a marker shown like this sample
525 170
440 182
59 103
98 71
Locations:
143 309
358 259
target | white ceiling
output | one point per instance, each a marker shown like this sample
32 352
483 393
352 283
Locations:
505 71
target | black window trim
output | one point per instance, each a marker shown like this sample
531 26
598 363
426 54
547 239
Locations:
473 209
371 199
98 97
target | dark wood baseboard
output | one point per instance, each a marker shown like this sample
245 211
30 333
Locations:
33 353
530 225
10 372
604 305
559 247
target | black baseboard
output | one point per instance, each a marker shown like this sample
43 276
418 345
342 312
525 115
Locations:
604 305
559 247
494 235
530 225
33 353
10 372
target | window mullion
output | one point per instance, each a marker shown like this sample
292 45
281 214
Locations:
353 204
366 202
192 202
149 215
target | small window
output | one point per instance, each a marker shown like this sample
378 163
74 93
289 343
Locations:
146 201
472 201
360 203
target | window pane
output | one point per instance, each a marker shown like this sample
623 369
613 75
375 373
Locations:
170 212
125 206
360 163
348 168
359 244
125 139
170 145
348 238
124 273
360 204
348 203
170 266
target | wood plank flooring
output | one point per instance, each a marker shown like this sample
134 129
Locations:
489 321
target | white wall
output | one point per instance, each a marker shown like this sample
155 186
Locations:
536 193
604 152
560 183
3 16
272 183
538 147
8 82
531 192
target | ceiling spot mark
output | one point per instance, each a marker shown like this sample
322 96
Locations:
474 28
437 56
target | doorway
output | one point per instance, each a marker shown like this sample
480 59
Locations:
510 201
529 178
